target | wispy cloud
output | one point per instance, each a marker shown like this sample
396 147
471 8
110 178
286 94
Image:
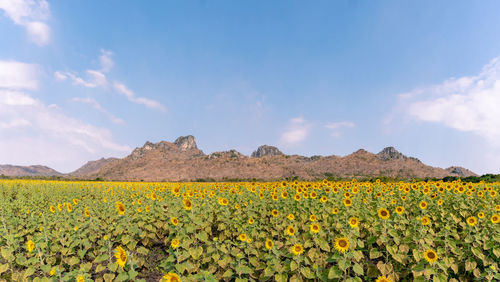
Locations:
98 78
94 104
32 14
297 131
44 133
469 103
335 127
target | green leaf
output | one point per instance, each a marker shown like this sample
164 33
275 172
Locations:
142 251
73 260
228 273
306 271
334 272
358 269
132 274
4 268
108 277
344 264
293 265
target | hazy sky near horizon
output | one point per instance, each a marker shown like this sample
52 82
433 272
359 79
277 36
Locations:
81 80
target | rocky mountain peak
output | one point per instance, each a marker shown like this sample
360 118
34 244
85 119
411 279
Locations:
266 150
186 143
390 153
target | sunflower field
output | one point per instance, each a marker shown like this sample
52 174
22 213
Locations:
273 231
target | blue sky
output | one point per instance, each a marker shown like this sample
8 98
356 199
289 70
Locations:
80 80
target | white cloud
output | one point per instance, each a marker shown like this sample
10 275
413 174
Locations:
336 126
99 107
31 132
469 103
16 75
122 89
298 130
31 14
97 78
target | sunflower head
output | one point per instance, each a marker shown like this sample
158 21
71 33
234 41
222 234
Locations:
120 208
269 244
290 230
425 220
297 249
423 205
314 228
495 218
472 220
30 245
188 205
175 243
383 278
383 213
291 216
170 277
353 222
243 237
430 256
274 213
121 256
312 217
400 210
174 221
341 244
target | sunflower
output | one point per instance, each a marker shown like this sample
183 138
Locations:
269 244
86 212
297 249
383 213
187 204
497 207
59 207
495 218
69 207
341 244
335 211
347 202
440 202
290 230
423 205
284 194
296 197
425 220
472 220
223 201
174 221
121 256
120 208
323 199
314 228
52 209
353 222
274 213
30 245
383 278
170 277
251 220
430 256
400 210
80 278
75 201
52 272
291 216
480 215
175 243
243 237
148 208
312 217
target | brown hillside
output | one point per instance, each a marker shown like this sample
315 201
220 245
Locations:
182 160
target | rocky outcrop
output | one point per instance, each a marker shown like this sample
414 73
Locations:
390 153
231 154
460 171
186 143
266 150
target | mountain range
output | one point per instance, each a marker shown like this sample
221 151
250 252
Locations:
181 160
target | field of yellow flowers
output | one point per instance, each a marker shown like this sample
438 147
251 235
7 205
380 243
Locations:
275 231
